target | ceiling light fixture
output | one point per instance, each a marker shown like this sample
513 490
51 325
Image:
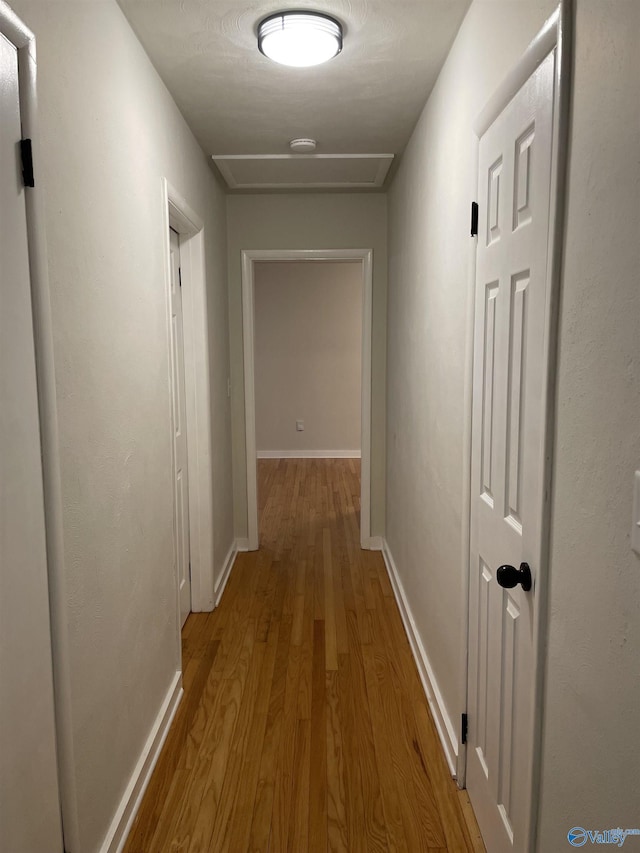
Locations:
300 39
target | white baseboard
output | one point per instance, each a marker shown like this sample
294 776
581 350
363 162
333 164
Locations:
122 822
373 543
444 724
242 544
308 454
226 572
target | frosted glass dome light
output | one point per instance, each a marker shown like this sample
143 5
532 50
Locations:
300 39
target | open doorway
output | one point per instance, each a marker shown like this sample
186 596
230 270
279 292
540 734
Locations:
308 359
307 390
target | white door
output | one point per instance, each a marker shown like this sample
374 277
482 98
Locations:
29 802
181 466
508 468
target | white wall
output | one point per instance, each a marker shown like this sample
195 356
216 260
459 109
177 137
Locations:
591 743
308 348
110 132
329 221
429 211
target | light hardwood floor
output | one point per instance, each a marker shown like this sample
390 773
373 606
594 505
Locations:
303 726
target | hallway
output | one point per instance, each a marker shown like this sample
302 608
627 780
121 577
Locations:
303 725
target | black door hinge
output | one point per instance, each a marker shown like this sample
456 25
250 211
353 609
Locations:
26 153
474 218
464 728
179 277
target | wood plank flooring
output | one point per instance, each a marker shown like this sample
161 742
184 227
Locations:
303 726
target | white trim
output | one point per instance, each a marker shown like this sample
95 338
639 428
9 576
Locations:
561 23
249 258
376 543
222 160
249 400
309 185
216 157
541 46
365 432
242 544
15 31
229 562
383 169
556 34
461 769
226 172
444 725
308 454
179 215
122 822
24 41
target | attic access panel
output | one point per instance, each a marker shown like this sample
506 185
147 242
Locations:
303 171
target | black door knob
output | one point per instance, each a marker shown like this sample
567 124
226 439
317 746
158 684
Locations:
509 576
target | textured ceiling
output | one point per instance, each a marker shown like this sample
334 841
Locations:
366 100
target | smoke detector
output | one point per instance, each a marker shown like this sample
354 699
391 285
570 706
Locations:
302 146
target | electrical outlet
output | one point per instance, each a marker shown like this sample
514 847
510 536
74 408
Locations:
300 426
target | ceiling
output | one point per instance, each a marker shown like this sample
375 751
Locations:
365 101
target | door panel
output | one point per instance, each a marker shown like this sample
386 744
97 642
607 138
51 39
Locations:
180 450
29 801
508 455
515 399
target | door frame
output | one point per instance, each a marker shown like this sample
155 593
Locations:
24 41
556 34
177 214
249 258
